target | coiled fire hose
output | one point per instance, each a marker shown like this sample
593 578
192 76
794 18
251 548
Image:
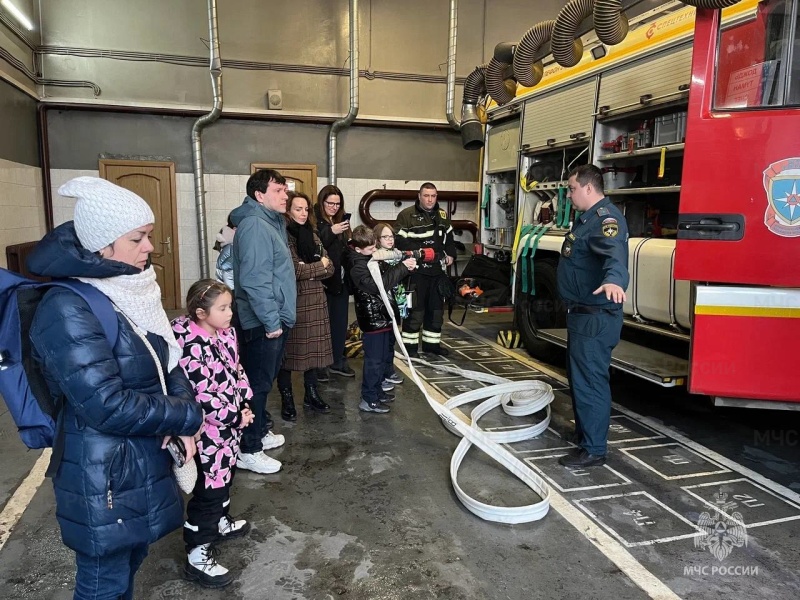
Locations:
518 398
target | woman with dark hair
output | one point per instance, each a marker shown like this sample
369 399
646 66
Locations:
121 401
334 231
309 345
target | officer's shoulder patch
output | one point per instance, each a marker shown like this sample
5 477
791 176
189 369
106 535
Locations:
603 212
609 220
442 214
610 228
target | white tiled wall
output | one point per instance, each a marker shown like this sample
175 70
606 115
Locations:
22 205
226 192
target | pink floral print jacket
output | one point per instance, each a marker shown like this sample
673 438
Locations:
221 388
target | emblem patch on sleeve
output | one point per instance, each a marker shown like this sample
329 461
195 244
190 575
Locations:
610 227
442 214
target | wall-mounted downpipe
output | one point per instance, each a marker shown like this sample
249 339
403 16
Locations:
567 50
471 127
527 72
351 115
500 82
451 68
197 129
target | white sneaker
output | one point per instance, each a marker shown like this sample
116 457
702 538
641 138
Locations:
272 440
202 567
258 462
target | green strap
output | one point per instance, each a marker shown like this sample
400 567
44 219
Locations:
564 205
486 196
532 230
533 247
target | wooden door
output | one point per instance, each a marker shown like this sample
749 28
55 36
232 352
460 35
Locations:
155 182
299 178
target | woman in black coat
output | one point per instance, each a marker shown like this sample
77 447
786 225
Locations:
114 487
334 232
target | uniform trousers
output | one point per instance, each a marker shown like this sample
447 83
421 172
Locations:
590 340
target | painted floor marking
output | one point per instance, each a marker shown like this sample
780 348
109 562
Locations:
531 461
604 542
688 489
16 505
582 501
630 453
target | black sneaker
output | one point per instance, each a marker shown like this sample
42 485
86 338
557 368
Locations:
385 397
342 371
323 376
376 407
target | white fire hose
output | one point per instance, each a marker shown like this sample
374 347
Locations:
518 398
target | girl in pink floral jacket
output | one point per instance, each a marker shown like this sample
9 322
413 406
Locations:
211 362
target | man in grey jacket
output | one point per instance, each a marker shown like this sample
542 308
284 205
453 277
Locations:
266 305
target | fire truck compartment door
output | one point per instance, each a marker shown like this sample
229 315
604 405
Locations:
559 118
502 147
653 80
744 341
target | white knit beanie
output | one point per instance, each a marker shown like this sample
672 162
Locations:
104 211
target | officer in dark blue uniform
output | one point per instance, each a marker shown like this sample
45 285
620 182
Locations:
592 278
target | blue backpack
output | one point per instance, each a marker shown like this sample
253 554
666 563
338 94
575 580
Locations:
22 382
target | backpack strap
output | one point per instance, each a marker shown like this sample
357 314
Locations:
103 309
99 304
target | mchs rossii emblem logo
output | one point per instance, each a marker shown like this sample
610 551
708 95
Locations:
782 184
723 531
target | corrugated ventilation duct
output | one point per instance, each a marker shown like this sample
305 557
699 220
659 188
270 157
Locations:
568 51
474 92
610 22
527 72
450 101
351 115
197 129
500 82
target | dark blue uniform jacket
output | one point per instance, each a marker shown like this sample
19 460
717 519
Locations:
595 252
114 486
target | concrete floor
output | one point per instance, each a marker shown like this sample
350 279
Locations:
364 509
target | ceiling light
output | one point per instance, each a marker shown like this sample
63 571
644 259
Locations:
17 14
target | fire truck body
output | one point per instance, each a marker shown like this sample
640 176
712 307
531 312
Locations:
688 119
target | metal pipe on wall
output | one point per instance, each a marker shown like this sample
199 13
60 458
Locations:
351 115
451 68
197 129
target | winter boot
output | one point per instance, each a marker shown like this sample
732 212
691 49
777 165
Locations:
412 350
434 349
230 528
313 401
288 411
202 567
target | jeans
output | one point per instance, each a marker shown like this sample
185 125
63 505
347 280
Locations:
261 359
376 349
338 307
108 577
388 370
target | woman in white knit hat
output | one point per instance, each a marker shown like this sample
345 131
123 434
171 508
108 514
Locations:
121 402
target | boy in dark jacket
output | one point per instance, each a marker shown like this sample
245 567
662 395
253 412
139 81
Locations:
373 318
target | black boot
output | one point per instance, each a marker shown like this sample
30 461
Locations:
313 401
288 411
412 350
435 349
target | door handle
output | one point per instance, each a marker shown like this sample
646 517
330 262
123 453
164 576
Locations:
711 227
168 244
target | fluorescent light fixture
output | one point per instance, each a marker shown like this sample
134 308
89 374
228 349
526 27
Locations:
17 14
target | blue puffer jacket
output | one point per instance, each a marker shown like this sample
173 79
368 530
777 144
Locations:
114 486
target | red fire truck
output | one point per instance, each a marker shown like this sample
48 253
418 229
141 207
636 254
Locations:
692 119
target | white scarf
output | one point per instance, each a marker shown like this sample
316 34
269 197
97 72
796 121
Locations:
139 298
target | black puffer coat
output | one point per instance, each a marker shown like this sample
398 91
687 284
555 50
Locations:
335 246
114 486
370 310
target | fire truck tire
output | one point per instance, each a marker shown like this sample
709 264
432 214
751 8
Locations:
542 310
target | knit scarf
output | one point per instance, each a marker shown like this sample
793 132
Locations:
307 249
139 298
